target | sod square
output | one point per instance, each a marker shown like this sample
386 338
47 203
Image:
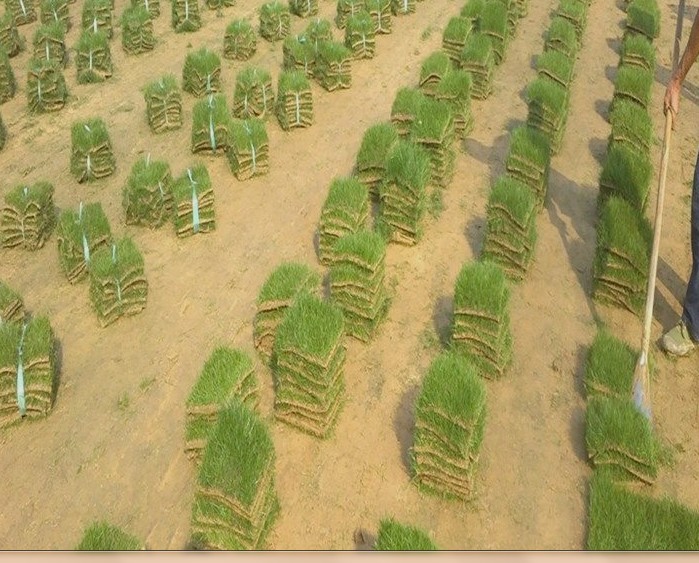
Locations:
360 35
163 99
248 154
55 11
28 216
454 37
403 7
478 58
92 156
433 128
193 198
46 86
394 536
493 24
93 57
548 104
345 9
49 43
211 125
529 160
333 68
626 173
455 90
103 536
97 16
643 18
380 12
556 66
153 6
404 108
562 36
299 54
575 11
10 39
633 83
632 127
239 41
275 21
147 195
8 83
11 305
638 50
137 30
185 16
370 165
433 70
303 8
253 95
201 73
294 104
472 11
23 11
609 367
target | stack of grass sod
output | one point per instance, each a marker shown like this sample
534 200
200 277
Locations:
404 193
555 66
333 67
345 9
512 11
510 236
8 83
227 375
153 6
185 16
394 536
193 198
345 211
626 173
235 500
620 268
220 4
278 293
49 43
433 70
163 104
562 36
253 95
632 127
450 414
481 325
455 90
239 41
529 160
609 367
633 83
454 38
637 50
23 11
433 129
80 234
643 18
294 104
380 12
97 16
52 11
360 35
91 155
357 282
403 7
10 39
28 371
303 8
548 104
28 216
46 86
404 109
370 166
137 30
275 21
147 195
478 58
211 125
103 536
308 365
248 154
93 57
298 53
575 11
118 285
11 305
493 24
201 73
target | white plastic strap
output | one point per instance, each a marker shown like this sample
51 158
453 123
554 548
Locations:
89 164
90 59
195 202
94 24
162 192
147 8
148 159
55 15
38 89
186 9
254 157
116 279
208 85
21 399
363 40
24 10
86 249
46 50
212 135
405 6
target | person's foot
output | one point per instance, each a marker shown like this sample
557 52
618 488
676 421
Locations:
678 341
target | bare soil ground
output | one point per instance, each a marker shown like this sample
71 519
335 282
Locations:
113 446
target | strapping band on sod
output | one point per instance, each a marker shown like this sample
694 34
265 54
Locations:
360 35
10 39
633 83
345 9
228 374
193 198
643 18
454 37
153 6
450 414
529 160
434 130
23 11
380 12
137 30
147 195
239 41
275 21
303 8
609 367
556 66
103 536
278 293
97 16
248 155
548 103
639 51
92 156
163 104
49 43
201 73
333 69
403 7
253 95
93 58
632 127
478 58
28 216
370 166
46 86
294 105
404 108
394 536
11 305
186 17
52 11
299 54
8 83
211 125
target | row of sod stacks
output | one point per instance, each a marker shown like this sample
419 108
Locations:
555 66
46 86
632 127
28 371
455 90
404 109
8 83
227 375
55 11
185 16
239 41
454 38
548 103
333 66
163 104
478 58
562 36
643 18
529 161
118 286
253 95
493 25
637 50
377 142
10 39
299 53
278 293
80 234
93 57
102 536
403 7
294 104
235 500
609 367
394 536
97 16
346 9
28 216
23 11
153 6
11 305
481 323
510 236
633 83
622 259
308 365
92 156
360 35
303 8
211 125
137 30
147 196
201 73
193 199
380 12
627 174
433 129
450 414
49 43
275 21
248 155
404 193
345 211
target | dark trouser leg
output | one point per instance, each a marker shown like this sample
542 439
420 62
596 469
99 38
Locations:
690 314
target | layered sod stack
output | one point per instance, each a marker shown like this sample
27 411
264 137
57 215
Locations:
433 129
513 15
637 50
493 24
8 83
163 104
360 35
46 86
201 73
478 58
318 31
147 196
10 39
626 173
186 17
11 305
555 66
481 329
52 11
633 83
609 367
548 104
433 69
23 11
380 12
308 364
253 95
28 216
248 155
472 11
454 38
193 198
97 16
404 192
643 18
228 375
275 21
333 68
239 41
303 8
404 109
632 127
219 4
575 12
377 142
93 57
211 125
299 53
102 536
153 6
529 161
80 234
91 156
562 36
49 43
28 371
455 90
403 7
346 9
294 100
278 293
394 536
450 415
137 30
345 211
510 236
235 500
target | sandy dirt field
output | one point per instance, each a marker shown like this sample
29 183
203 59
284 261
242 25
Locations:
113 446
